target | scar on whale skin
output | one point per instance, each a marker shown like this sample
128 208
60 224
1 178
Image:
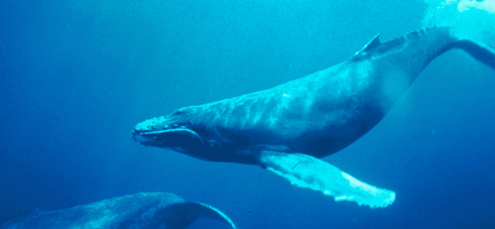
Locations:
286 129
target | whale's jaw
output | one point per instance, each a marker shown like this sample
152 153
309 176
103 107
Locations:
159 132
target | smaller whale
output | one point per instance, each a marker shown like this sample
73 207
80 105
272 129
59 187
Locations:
137 211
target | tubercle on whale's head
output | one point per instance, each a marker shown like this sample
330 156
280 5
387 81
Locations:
176 132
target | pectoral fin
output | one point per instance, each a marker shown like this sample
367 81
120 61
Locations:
309 172
181 215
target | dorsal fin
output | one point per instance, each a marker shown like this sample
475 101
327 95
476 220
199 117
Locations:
375 42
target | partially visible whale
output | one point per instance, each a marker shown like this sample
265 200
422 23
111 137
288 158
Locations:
286 129
137 211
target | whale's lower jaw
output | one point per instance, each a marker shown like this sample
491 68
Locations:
180 138
143 140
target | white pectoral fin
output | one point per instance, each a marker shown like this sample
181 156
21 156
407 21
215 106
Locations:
309 172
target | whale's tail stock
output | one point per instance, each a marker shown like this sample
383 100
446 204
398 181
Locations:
480 52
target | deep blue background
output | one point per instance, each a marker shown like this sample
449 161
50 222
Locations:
76 76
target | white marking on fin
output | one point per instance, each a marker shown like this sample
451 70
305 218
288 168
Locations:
309 172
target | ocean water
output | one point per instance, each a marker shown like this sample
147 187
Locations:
76 76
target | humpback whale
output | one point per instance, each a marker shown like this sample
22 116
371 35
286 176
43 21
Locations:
139 211
287 128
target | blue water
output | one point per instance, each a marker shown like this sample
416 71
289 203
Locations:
76 76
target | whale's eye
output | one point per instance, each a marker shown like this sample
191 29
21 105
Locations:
213 144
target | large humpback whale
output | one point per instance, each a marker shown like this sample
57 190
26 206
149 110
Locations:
286 129
137 211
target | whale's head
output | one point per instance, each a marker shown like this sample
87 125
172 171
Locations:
180 132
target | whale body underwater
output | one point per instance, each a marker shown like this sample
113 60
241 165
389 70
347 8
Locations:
137 211
287 128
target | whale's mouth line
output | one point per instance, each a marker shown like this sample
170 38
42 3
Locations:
167 131
162 136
